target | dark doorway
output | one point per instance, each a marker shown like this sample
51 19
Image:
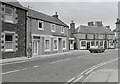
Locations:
88 45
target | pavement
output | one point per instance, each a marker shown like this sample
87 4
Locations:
106 73
20 59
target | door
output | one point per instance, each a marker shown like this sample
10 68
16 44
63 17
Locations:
35 47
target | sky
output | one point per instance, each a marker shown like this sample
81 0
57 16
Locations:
79 12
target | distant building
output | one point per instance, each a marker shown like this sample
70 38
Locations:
117 32
94 35
13 33
48 34
71 36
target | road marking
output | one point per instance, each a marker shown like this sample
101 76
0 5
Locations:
56 62
89 70
12 63
24 68
60 61
79 78
36 66
67 59
10 72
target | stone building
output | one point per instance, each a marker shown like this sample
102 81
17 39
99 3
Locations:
13 29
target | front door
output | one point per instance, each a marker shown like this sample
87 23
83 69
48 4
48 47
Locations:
35 47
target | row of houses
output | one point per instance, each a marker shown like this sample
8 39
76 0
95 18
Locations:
47 34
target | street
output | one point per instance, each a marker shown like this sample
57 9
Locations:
55 69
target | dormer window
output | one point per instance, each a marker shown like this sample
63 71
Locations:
53 27
62 29
40 25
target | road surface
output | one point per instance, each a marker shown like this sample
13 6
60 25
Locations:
55 69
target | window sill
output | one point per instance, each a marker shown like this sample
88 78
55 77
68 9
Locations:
52 31
9 21
9 50
55 49
48 50
40 29
64 48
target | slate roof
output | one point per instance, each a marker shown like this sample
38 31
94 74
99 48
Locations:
45 17
14 3
94 29
116 30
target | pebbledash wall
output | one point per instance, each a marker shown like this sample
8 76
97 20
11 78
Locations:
45 34
13 35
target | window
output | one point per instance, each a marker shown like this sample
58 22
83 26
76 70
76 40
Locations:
97 43
62 29
92 43
40 25
71 44
101 43
64 44
9 42
9 14
83 43
47 44
53 27
55 44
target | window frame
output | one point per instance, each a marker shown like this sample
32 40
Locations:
52 28
49 44
63 45
6 14
42 22
56 44
13 41
83 42
62 28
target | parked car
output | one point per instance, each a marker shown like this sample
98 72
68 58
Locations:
97 49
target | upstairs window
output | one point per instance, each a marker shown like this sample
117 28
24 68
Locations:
40 25
52 27
62 29
9 14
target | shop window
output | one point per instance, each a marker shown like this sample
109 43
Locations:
83 43
92 43
97 43
101 43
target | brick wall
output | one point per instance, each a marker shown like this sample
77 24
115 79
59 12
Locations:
20 29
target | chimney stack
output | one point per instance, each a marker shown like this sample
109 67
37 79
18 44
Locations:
72 27
98 23
90 23
56 15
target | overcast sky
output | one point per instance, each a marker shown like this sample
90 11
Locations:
79 12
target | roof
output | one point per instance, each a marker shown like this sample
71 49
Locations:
14 3
45 17
116 30
95 29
